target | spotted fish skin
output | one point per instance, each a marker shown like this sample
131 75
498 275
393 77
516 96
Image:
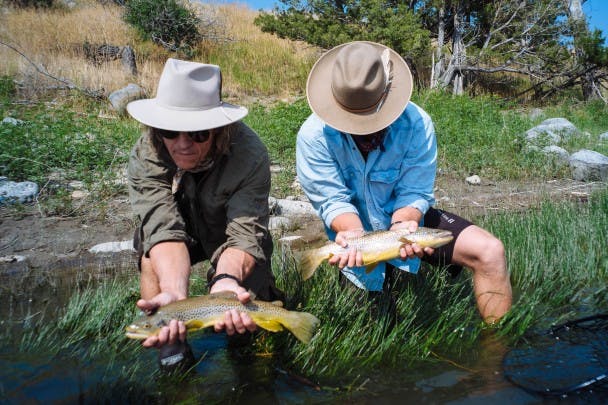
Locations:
205 310
374 246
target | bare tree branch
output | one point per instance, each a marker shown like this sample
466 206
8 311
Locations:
67 84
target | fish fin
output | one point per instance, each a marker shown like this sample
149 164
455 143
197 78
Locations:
277 303
405 240
302 324
370 268
196 324
270 325
309 261
252 295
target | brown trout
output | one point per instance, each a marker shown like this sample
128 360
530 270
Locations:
374 246
205 310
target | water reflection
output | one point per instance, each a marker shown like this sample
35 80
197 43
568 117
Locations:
227 374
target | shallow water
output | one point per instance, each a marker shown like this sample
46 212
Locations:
224 374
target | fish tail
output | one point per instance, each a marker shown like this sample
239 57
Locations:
302 324
309 261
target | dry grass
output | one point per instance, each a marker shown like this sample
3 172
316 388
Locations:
253 63
258 63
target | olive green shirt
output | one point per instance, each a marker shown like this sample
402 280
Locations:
224 206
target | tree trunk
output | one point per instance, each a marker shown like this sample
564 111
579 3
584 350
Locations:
576 15
438 63
459 48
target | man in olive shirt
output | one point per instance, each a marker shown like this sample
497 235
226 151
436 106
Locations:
199 181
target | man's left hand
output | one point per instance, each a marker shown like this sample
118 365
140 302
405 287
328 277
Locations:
234 321
411 251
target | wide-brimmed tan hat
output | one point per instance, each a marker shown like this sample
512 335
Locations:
188 98
359 87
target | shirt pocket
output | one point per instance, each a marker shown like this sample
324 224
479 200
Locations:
382 183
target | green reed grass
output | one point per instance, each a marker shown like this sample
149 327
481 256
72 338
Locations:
558 265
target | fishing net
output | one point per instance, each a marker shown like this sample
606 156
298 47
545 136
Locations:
569 357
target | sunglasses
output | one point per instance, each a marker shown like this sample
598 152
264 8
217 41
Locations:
196 136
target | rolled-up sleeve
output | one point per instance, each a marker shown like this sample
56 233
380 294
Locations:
319 175
151 199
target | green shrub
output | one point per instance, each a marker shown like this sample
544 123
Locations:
167 22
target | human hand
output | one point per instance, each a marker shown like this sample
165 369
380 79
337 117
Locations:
352 257
409 251
234 321
170 334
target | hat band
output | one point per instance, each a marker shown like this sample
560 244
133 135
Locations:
375 106
199 108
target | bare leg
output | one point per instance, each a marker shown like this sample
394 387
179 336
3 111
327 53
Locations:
484 254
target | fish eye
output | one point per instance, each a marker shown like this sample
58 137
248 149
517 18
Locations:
147 325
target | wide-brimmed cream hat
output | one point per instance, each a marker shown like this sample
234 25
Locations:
359 87
188 98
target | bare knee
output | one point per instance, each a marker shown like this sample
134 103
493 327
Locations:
480 251
491 257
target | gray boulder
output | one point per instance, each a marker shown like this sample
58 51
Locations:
11 191
290 208
588 165
551 131
12 121
560 155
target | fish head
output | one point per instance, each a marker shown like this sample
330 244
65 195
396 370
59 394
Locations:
145 326
440 238
427 237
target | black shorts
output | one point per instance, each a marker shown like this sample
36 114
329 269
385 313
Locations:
439 219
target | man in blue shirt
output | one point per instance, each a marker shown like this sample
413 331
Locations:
366 159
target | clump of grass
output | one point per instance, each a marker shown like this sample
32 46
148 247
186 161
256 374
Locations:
95 315
557 258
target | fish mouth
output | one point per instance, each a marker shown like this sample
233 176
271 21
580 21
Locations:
134 333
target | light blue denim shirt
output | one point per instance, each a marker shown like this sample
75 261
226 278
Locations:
337 179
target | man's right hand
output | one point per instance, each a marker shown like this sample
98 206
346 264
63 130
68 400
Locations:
175 331
352 258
